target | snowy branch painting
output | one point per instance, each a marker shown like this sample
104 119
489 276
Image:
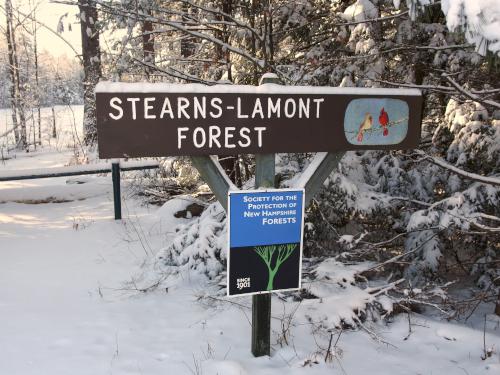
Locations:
374 121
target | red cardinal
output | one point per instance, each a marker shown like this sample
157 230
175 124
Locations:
383 119
365 125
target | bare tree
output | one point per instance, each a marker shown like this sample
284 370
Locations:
37 81
15 90
91 56
148 44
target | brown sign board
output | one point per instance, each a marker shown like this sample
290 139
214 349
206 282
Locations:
158 119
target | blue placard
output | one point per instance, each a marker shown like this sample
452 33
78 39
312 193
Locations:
265 240
266 218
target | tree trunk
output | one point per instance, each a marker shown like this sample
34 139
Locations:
270 35
227 8
15 100
229 163
148 45
37 81
54 131
254 42
91 57
23 141
187 41
12 74
223 54
497 307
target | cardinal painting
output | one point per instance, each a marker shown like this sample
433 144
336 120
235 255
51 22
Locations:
365 125
383 119
376 121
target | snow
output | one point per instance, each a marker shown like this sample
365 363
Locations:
200 245
482 20
35 192
74 169
269 76
270 88
77 298
479 19
172 206
138 164
361 10
59 322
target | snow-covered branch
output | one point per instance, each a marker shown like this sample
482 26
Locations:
172 72
469 94
471 176
225 16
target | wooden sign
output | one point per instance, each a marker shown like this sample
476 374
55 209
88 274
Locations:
148 119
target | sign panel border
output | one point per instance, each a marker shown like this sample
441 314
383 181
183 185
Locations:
267 190
167 119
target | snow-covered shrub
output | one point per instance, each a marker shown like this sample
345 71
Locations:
200 245
475 142
335 300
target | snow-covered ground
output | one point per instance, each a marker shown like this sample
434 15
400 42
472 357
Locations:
68 123
71 300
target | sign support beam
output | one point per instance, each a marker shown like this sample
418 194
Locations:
261 303
265 172
212 173
313 178
323 164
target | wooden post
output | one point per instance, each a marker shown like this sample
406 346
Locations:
265 171
115 174
261 303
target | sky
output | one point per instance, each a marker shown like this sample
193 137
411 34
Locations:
49 14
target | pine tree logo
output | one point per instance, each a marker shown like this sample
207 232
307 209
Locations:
282 252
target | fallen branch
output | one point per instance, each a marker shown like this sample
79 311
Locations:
376 291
